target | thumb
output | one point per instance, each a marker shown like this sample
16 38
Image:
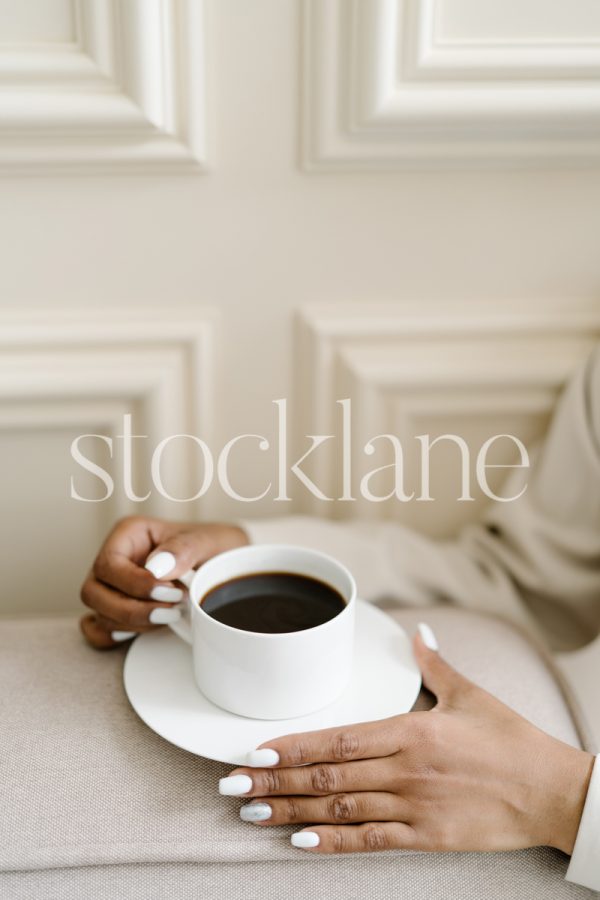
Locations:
438 676
180 553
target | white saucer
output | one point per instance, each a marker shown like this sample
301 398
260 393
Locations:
160 687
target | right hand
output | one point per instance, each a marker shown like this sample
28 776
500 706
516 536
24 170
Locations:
119 589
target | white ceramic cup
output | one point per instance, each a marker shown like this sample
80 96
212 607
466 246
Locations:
269 676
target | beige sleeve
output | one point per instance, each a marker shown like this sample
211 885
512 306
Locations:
535 560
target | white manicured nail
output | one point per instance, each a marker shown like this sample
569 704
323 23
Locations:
305 839
259 759
166 594
163 616
122 635
255 812
161 564
428 637
235 785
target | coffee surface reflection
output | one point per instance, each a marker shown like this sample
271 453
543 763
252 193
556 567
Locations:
273 602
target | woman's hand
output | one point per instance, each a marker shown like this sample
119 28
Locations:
128 597
470 774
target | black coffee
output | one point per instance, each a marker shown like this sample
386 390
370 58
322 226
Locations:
273 602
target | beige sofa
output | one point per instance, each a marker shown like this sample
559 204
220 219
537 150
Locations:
94 804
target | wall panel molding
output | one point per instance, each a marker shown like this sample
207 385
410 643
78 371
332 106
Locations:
485 60
86 370
129 95
380 93
407 372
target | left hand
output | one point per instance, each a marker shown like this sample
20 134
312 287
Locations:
471 774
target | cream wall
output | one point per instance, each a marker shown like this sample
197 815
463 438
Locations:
256 207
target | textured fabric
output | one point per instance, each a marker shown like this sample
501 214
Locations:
85 784
535 561
535 875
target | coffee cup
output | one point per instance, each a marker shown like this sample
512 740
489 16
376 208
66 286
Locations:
269 675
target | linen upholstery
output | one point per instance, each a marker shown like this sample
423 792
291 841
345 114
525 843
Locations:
95 804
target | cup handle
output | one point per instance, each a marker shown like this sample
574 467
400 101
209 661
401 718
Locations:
183 628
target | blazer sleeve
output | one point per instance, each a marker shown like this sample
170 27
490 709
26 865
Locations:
535 560
584 867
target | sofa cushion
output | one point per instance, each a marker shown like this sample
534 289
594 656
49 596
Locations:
86 785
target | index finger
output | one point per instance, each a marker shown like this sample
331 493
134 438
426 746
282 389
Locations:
365 741
120 562
115 569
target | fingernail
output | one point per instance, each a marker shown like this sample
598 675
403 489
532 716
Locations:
261 758
428 637
119 636
255 812
164 616
166 594
235 785
161 564
305 839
